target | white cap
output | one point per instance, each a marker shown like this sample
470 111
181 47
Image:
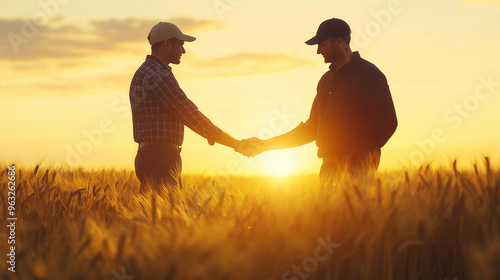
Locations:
166 30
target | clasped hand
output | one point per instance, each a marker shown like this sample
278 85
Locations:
250 147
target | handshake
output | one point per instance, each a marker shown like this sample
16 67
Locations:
250 147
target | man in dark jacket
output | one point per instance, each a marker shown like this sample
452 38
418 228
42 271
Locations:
353 114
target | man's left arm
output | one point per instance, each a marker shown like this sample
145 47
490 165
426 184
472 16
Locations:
379 105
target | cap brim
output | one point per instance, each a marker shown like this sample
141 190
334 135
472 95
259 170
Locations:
313 41
185 38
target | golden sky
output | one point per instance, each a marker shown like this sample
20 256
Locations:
67 66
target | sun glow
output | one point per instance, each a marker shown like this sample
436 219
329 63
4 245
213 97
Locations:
278 163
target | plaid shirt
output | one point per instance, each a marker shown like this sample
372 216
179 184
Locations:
160 108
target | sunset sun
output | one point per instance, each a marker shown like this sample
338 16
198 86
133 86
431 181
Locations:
279 163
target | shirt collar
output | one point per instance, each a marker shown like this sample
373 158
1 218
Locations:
158 61
354 57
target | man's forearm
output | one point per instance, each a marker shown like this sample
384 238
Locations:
227 140
294 138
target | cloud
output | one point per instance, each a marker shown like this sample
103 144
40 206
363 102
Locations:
135 30
106 75
244 64
73 58
28 40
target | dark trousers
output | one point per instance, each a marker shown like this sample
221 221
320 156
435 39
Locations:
158 168
349 167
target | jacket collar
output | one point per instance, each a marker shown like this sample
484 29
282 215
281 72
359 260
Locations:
354 58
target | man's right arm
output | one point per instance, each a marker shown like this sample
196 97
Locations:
169 93
304 133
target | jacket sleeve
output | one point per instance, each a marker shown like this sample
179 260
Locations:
379 106
306 131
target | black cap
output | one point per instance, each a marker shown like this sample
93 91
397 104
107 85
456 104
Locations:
331 28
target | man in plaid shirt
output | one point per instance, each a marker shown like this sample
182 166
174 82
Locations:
160 109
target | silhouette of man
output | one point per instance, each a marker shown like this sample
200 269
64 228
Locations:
160 110
353 114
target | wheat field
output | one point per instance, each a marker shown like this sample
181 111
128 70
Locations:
421 223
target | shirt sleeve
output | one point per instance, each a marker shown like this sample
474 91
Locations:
380 108
173 97
306 131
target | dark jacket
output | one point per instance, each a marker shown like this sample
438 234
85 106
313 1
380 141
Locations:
353 112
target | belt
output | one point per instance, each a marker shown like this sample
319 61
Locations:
160 143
